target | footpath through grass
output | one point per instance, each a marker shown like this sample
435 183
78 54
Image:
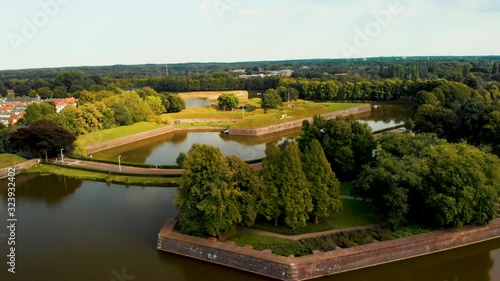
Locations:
355 213
7 160
105 177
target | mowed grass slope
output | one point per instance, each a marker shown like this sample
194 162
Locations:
256 118
300 110
7 160
118 132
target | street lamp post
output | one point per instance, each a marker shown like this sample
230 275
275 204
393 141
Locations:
62 156
119 163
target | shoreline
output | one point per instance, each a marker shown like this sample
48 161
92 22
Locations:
296 123
93 148
321 264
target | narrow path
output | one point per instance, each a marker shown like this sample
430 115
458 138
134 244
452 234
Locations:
128 169
303 236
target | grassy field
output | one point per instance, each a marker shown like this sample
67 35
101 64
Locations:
118 132
203 113
7 160
255 116
301 110
355 213
96 176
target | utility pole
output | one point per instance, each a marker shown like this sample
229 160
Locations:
288 96
166 67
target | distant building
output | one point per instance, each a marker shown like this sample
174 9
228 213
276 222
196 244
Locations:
238 71
341 74
247 76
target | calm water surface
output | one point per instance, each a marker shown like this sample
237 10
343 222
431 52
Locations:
72 230
196 103
165 149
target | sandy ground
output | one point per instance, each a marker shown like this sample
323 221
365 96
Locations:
212 96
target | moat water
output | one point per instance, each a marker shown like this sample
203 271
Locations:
74 230
165 149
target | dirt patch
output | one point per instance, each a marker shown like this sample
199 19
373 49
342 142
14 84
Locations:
212 96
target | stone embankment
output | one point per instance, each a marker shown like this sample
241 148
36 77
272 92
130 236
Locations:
296 123
320 264
18 167
233 131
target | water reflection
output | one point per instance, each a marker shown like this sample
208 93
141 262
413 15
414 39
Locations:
197 102
99 228
50 189
472 263
164 149
386 115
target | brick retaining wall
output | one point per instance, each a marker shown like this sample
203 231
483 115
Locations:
321 263
25 165
296 123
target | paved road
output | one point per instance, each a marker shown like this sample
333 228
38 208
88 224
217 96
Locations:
128 169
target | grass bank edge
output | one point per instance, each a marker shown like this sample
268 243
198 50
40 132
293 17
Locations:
94 175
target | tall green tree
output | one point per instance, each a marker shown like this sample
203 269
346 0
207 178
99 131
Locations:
246 180
156 104
271 100
441 185
36 111
324 186
228 101
294 189
272 202
5 134
86 97
207 201
174 103
43 138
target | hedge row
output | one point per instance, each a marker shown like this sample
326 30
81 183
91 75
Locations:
330 242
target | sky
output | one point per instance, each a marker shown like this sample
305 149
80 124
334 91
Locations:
56 33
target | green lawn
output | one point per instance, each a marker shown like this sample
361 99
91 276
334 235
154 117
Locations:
208 112
7 160
255 116
97 176
355 213
301 110
118 132
345 188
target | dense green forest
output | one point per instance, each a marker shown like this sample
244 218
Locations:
61 82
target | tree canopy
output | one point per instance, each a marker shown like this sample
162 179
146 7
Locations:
43 138
228 101
271 100
432 182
